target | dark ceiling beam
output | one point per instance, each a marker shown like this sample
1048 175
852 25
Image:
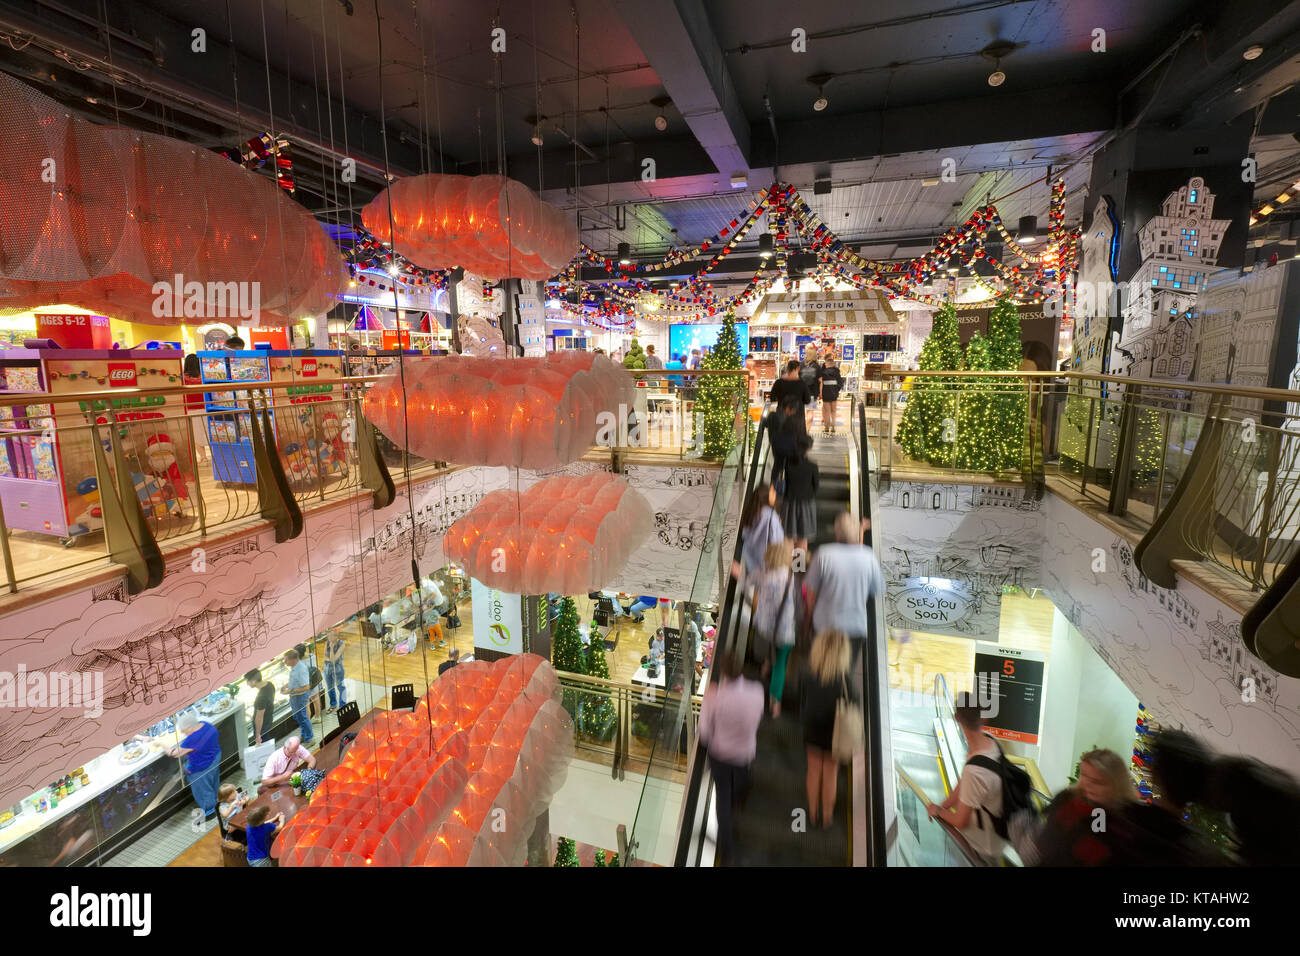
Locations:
1032 114
677 39
1209 83
163 67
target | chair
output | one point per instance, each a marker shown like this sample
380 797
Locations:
403 697
233 854
349 714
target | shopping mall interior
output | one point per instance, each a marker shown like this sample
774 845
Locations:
648 433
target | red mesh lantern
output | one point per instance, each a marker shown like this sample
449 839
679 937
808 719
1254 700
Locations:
490 225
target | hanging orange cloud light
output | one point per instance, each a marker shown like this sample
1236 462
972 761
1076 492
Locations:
493 226
458 782
565 534
99 217
525 412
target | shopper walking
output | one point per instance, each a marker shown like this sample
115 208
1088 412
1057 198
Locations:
840 580
830 381
263 705
729 719
790 385
1181 768
760 526
652 361
1081 824
201 748
784 430
338 692
298 689
824 685
774 616
975 804
799 503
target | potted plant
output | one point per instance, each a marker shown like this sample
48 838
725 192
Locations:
296 782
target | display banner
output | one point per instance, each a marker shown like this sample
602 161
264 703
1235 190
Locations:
498 621
1015 678
1039 332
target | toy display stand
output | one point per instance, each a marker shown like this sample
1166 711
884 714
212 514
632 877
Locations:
48 479
309 440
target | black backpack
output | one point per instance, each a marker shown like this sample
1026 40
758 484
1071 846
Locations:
314 676
1016 787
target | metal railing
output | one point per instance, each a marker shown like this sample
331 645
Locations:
119 475
1202 473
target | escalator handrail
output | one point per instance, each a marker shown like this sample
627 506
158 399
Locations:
691 843
950 831
877 838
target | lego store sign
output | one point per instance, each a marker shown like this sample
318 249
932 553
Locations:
75 331
121 374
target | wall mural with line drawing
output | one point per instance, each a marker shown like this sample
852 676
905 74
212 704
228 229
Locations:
950 549
1180 651
164 649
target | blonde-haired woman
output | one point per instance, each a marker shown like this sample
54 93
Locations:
825 684
774 615
1073 830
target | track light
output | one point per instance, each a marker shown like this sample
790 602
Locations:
624 254
820 80
1028 232
766 245
661 121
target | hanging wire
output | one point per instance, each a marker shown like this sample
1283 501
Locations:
401 366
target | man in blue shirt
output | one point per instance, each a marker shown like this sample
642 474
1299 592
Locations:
298 690
203 748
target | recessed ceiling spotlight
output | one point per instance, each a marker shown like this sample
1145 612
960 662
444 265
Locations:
1252 52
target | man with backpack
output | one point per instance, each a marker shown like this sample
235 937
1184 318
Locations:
991 788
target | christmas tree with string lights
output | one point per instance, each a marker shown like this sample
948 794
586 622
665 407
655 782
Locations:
598 713
566 853
929 424
976 411
600 858
567 651
635 357
1005 437
718 394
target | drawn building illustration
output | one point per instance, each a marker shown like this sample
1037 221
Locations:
1180 247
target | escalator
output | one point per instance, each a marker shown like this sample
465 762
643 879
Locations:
769 829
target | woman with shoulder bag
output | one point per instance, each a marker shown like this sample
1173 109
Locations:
774 616
828 703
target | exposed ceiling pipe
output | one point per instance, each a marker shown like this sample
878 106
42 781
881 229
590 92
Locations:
776 139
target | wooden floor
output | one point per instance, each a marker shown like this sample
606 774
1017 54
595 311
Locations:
1026 624
364 661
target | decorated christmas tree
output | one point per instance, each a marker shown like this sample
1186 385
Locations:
1005 437
635 357
567 652
977 413
715 405
928 429
600 858
598 714
613 859
566 853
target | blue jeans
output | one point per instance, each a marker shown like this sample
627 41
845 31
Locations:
298 704
640 607
203 787
334 681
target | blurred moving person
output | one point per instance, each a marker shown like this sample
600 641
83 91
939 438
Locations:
1161 836
774 617
799 502
1263 806
729 719
1082 823
824 684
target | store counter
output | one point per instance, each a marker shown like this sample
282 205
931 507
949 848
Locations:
119 795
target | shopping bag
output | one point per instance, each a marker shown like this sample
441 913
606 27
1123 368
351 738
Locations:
255 758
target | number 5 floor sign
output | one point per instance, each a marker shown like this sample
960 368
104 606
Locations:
1019 690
